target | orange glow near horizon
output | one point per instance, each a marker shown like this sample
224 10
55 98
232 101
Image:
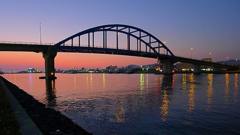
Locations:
22 60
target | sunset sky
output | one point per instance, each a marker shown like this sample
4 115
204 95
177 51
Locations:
205 25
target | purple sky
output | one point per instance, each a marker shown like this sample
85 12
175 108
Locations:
205 25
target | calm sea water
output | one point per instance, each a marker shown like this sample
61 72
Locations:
142 104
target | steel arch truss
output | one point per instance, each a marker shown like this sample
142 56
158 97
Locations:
145 42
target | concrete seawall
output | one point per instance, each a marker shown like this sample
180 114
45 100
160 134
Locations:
27 126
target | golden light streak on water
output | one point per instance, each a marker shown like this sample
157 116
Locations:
103 80
209 90
164 106
184 82
120 112
87 81
236 81
227 90
191 93
91 80
141 81
147 83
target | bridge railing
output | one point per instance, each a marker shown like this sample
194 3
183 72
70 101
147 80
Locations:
25 43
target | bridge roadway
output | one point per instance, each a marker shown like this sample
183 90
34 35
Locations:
40 48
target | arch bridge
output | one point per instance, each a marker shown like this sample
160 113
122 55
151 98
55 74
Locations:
115 39
137 42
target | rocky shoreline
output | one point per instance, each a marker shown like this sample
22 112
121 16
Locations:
49 121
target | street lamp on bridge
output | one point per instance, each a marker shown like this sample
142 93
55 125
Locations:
191 52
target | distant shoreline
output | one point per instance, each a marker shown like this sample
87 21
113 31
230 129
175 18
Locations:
230 72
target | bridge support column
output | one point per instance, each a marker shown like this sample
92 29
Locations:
167 67
49 56
197 69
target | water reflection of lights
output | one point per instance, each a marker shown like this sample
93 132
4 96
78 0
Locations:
120 113
174 80
191 93
103 80
91 77
141 81
184 82
210 89
235 85
146 80
164 106
159 82
227 81
87 81
91 80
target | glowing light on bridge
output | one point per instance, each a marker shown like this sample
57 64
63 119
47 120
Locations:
191 52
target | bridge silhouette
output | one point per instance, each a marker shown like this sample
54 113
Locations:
138 42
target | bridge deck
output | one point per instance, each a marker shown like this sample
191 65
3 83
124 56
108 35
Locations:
23 47
41 48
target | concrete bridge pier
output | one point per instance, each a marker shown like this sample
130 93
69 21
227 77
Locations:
197 69
167 67
49 57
